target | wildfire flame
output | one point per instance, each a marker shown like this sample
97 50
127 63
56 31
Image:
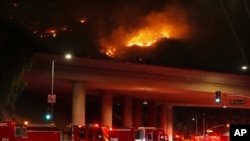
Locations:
146 38
156 26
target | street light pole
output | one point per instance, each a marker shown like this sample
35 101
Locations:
52 89
196 123
203 130
205 124
52 96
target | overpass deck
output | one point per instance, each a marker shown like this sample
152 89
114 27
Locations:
161 84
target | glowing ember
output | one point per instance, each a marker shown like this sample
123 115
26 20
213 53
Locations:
50 31
82 20
110 52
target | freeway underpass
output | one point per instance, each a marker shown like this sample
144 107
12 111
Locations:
132 84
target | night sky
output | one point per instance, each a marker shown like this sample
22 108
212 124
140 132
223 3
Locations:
210 35
205 35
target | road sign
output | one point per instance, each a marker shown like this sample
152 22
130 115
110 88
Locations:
237 102
51 98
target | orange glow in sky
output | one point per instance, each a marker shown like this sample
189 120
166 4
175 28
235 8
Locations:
153 28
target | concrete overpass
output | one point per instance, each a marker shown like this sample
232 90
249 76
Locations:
159 85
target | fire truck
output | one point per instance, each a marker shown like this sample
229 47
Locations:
36 132
95 133
92 132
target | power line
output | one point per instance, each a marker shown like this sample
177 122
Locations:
234 33
247 8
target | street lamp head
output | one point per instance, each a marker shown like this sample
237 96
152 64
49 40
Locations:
244 67
145 102
68 56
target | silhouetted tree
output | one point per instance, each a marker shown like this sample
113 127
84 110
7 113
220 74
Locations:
15 57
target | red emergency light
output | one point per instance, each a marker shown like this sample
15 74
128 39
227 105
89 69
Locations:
96 125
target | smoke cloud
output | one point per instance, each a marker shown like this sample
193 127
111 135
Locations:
145 30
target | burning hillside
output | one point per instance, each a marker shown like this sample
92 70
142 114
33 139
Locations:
154 27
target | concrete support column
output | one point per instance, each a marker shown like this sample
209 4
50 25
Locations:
78 103
151 114
169 129
137 113
127 112
163 117
107 108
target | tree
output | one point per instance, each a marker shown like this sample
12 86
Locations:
15 58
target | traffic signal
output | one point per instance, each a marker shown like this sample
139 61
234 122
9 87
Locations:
218 96
48 116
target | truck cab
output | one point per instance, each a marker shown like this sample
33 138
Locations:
90 132
150 134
